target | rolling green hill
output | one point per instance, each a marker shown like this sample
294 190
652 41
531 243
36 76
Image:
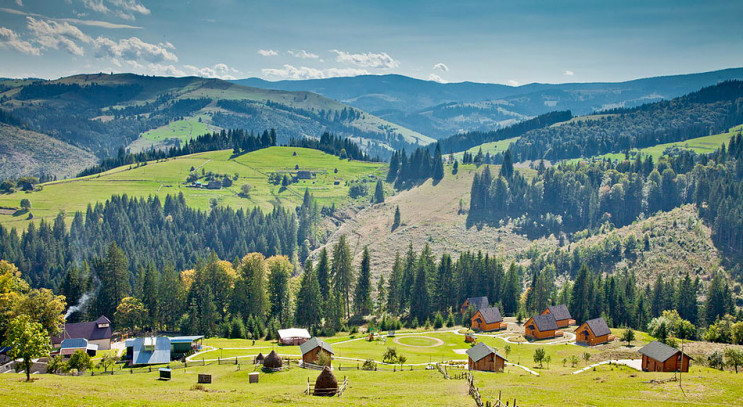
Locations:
169 177
491 147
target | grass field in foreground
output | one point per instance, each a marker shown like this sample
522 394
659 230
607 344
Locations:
168 177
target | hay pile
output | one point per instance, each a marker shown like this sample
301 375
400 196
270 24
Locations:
259 358
273 361
326 383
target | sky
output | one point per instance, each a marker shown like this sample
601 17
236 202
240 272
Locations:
508 42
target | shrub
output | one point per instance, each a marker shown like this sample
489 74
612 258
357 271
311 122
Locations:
450 320
369 364
80 361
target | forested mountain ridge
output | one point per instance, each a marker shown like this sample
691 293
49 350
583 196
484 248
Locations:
101 113
442 109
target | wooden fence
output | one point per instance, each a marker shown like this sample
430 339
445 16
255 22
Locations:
311 387
475 393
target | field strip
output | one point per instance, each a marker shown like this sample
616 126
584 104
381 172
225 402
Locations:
523 367
632 363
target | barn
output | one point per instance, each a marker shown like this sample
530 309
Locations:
483 357
659 357
96 332
293 336
487 319
312 349
540 327
475 302
561 314
593 332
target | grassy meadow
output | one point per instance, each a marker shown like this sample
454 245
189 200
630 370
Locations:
169 177
184 130
491 147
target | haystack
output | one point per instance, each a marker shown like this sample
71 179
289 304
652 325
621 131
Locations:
272 361
259 358
326 383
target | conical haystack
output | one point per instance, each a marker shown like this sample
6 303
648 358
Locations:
259 358
272 361
326 383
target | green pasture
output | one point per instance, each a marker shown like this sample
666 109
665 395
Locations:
491 147
169 177
184 130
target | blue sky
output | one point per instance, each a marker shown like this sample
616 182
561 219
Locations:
515 42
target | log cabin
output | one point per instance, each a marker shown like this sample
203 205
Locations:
483 357
475 302
312 349
659 357
487 319
561 314
593 332
540 327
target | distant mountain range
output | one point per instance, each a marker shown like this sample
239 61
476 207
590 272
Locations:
440 110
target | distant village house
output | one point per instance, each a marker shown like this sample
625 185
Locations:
475 302
487 319
593 332
561 314
312 349
540 327
659 357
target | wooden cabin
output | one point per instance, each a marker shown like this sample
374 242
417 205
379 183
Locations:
659 357
593 332
293 336
483 357
477 303
540 327
561 314
313 348
487 319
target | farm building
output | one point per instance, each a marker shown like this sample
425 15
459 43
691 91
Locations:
214 185
540 327
97 332
150 350
483 357
475 302
487 319
69 346
659 357
561 314
312 349
593 332
293 336
181 346
303 174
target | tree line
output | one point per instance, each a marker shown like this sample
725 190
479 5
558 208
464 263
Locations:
407 171
339 146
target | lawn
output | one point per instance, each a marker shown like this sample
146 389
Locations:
169 176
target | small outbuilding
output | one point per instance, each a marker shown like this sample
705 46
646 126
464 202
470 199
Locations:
326 384
540 327
70 346
561 314
483 357
312 349
659 357
477 303
150 350
293 336
593 332
487 319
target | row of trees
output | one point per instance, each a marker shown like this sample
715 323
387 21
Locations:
342 147
406 171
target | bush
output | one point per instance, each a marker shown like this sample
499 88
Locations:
237 330
80 361
450 320
369 364
438 321
56 364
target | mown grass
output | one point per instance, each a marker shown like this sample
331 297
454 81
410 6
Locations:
169 176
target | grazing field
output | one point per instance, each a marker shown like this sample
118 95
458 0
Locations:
491 147
184 130
169 177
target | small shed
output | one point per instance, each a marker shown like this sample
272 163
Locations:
476 302
304 174
148 351
183 345
540 327
561 314
165 373
312 349
70 346
214 185
253 377
293 336
483 357
487 319
593 332
659 357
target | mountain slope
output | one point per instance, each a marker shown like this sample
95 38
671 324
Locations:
440 110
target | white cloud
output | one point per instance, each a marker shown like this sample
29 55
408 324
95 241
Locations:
126 9
292 72
10 39
441 67
367 59
512 82
568 73
302 54
267 52
436 78
94 23
218 71
56 35
133 49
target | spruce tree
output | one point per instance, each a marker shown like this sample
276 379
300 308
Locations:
379 192
113 273
309 299
343 274
151 295
323 274
393 287
280 269
362 302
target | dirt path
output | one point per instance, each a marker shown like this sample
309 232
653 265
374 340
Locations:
437 342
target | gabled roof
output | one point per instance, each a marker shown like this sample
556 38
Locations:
480 351
598 326
87 330
658 351
491 315
545 322
185 339
161 354
75 343
315 343
478 302
293 333
560 312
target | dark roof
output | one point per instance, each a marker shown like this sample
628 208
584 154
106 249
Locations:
86 330
598 326
560 312
478 302
491 315
545 322
481 350
658 351
314 343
